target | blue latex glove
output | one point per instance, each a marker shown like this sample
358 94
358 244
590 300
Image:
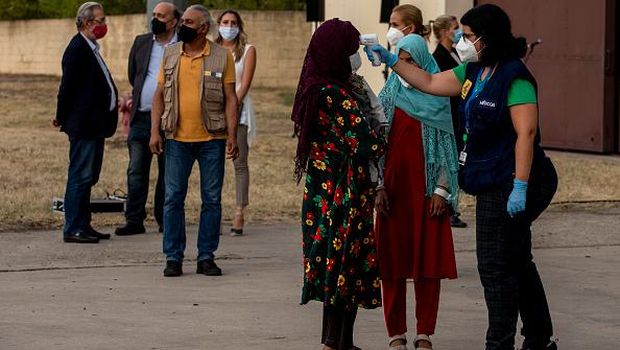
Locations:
386 56
517 198
368 53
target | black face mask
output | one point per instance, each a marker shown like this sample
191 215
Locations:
157 26
187 34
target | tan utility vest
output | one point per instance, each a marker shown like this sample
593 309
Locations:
212 100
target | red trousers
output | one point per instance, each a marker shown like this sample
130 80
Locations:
395 305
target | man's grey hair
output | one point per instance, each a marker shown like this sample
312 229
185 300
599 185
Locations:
85 13
207 18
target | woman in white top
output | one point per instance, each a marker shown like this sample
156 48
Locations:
233 37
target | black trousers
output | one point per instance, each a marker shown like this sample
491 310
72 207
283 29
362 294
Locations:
138 173
512 285
338 327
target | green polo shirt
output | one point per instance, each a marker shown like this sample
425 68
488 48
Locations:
520 91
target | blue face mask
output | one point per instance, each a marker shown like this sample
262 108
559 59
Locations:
457 35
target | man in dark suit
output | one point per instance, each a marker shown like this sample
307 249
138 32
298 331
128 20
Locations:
144 58
87 112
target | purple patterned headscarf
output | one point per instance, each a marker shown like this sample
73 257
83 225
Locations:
327 62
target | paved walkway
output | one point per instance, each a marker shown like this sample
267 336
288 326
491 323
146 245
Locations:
113 295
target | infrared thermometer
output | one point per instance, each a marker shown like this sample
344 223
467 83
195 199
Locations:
369 40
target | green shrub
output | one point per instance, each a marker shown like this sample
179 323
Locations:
252 4
32 9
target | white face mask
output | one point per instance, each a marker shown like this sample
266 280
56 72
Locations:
405 84
466 50
229 33
394 35
356 61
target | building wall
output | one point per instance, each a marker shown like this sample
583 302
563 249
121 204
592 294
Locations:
364 14
36 46
281 38
576 77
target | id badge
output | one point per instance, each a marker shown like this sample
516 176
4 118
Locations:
217 75
462 158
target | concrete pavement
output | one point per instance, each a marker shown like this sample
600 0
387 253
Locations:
113 295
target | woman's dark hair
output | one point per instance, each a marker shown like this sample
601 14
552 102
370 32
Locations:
491 24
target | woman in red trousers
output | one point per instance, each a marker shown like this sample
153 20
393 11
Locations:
414 237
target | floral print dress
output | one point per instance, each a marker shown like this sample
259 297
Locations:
340 256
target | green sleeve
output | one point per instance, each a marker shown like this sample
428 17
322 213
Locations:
459 71
521 92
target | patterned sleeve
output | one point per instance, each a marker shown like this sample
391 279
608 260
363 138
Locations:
359 140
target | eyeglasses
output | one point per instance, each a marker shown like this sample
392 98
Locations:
100 20
468 36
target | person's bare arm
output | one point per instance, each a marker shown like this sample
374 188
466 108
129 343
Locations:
382 202
157 109
525 122
440 84
248 74
232 151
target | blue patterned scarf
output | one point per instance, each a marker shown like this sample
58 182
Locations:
433 112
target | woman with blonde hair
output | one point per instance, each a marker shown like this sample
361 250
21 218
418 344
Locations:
447 32
414 239
233 37
405 19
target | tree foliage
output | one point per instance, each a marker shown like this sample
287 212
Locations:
32 9
252 4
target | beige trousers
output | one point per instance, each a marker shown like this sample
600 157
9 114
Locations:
242 172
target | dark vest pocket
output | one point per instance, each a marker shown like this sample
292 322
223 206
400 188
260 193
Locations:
481 175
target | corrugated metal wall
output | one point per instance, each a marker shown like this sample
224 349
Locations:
574 67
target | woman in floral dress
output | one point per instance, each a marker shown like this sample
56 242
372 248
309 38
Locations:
334 149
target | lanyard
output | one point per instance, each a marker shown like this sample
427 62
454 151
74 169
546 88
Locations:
478 87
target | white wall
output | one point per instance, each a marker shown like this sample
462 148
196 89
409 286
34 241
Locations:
364 15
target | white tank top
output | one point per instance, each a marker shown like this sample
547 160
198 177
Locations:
247 116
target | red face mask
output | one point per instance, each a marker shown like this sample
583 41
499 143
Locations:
100 30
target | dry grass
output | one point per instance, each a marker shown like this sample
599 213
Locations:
34 157
33 163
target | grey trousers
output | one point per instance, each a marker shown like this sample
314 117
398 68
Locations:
512 285
242 172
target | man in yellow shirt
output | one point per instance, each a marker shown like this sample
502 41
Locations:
195 105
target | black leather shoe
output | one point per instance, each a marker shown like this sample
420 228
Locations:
129 229
236 232
80 237
455 221
91 231
208 267
173 268
551 346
